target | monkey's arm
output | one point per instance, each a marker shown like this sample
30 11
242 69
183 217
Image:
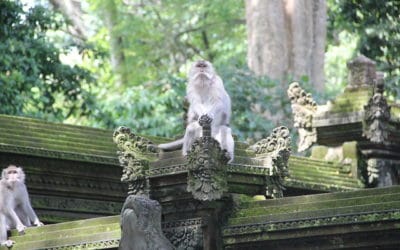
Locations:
3 232
15 219
27 209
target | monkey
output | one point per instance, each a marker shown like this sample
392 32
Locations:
15 208
206 95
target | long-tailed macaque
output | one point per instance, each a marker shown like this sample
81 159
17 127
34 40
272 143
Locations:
15 208
206 96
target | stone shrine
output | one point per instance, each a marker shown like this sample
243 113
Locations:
345 195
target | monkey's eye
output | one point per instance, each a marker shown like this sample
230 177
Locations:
201 65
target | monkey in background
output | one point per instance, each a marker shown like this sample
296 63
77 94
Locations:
206 95
15 208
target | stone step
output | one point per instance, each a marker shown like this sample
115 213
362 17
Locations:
324 197
316 213
317 205
101 240
96 233
325 179
379 200
93 222
321 185
298 161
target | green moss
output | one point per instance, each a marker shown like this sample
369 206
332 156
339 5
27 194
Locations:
315 206
395 111
244 189
318 152
351 100
350 150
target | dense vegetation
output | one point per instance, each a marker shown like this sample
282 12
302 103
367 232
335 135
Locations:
375 24
132 68
33 81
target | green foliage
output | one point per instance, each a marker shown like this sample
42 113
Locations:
376 23
33 81
254 101
145 48
154 42
152 38
336 57
150 109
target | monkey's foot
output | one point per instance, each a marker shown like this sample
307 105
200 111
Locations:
228 156
21 230
38 223
7 243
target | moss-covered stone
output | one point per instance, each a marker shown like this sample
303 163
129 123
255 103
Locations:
319 174
319 152
276 223
351 100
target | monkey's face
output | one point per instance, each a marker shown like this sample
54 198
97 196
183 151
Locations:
13 174
201 70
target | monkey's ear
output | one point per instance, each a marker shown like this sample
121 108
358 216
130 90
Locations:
21 174
4 173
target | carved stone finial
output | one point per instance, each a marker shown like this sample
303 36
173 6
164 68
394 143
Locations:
141 225
303 108
361 72
134 155
379 83
207 174
205 123
274 151
377 114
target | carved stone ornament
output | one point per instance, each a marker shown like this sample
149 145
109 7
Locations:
377 114
303 108
380 173
274 151
207 171
141 225
185 234
134 155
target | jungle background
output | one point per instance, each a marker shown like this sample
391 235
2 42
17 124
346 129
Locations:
124 62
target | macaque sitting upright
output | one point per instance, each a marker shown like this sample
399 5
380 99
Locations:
15 208
206 95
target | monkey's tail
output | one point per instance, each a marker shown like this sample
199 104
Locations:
174 145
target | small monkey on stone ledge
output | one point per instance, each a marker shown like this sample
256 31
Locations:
206 96
15 208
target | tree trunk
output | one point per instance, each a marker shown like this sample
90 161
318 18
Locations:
287 38
72 10
116 42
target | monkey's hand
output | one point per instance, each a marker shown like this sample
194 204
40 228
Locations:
209 114
7 243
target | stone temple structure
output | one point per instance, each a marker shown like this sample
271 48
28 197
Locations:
101 189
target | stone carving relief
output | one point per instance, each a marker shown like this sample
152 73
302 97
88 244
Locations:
141 225
207 166
274 151
134 155
377 114
381 173
303 108
185 234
